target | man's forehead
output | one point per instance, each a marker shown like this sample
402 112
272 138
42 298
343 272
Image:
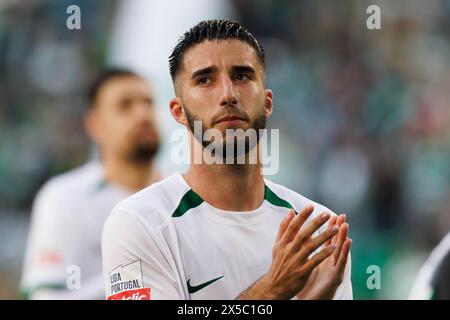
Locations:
219 53
124 86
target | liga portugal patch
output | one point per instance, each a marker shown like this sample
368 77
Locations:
138 294
126 283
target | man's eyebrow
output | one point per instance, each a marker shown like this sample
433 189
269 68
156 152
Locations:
247 69
204 71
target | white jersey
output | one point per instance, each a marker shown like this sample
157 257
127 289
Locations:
63 255
165 242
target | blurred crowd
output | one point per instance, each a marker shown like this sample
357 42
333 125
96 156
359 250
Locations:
364 116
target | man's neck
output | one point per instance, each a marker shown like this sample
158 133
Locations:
228 187
129 175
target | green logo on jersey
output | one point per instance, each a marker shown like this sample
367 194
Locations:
193 289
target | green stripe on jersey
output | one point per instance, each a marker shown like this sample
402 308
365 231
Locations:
270 196
26 293
190 200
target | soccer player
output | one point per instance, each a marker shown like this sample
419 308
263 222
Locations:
433 281
63 256
221 230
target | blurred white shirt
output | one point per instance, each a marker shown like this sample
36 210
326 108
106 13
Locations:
63 254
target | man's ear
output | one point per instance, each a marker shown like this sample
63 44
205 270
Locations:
269 102
91 126
177 111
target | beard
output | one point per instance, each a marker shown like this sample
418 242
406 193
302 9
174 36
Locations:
223 147
143 153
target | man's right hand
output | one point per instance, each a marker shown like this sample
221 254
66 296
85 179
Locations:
291 265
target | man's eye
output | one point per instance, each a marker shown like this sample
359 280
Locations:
203 80
125 105
242 76
148 101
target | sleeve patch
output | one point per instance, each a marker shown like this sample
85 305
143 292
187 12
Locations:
138 294
127 278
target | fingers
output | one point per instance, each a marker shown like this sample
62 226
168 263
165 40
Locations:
341 237
343 257
310 246
319 257
331 223
339 221
284 223
305 233
295 224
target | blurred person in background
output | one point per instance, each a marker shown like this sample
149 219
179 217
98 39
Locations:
63 255
433 280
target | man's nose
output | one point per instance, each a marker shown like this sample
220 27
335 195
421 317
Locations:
141 112
229 95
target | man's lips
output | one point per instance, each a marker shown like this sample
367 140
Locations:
230 119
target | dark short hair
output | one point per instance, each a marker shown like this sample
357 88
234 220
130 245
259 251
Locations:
212 30
103 77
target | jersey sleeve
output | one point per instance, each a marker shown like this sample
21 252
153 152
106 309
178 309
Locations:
53 244
137 265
